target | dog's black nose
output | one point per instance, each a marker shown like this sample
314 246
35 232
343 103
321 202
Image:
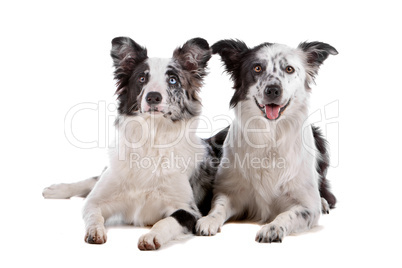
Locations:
153 98
273 92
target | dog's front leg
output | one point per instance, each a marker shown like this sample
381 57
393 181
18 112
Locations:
296 219
99 206
167 229
94 224
220 212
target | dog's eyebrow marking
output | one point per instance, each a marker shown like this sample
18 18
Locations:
171 70
171 67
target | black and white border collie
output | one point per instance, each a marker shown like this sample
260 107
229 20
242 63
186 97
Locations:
283 184
160 173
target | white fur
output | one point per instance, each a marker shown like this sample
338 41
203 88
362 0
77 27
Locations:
158 167
67 190
283 196
147 178
141 194
157 82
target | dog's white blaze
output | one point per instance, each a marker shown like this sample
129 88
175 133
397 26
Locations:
157 82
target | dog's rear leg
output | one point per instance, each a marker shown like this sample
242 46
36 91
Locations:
324 206
68 190
167 229
322 167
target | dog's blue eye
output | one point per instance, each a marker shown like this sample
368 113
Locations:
172 81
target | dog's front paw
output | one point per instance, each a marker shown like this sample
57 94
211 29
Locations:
96 234
270 233
149 241
208 226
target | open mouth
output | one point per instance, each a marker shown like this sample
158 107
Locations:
272 111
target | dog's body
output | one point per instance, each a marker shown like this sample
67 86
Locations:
160 173
268 174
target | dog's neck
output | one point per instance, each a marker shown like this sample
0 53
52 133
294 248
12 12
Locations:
257 131
155 130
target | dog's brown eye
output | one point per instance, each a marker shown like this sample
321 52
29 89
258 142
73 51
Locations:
290 69
141 79
257 69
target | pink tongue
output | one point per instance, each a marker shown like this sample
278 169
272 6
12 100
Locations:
272 111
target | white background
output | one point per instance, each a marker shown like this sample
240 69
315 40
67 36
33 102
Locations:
55 55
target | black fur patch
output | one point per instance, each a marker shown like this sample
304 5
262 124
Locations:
128 60
216 141
316 54
185 219
202 180
231 52
239 61
188 67
322 166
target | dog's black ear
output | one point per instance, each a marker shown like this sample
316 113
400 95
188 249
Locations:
193 56
126 54
316 53
230 51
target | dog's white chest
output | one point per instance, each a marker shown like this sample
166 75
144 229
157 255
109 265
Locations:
145 207
153 163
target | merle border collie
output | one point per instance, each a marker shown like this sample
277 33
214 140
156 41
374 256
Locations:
283 185
158 105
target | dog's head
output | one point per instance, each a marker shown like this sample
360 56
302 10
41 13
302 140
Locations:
274 76
168 87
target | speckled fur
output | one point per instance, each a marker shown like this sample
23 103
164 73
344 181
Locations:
281 193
